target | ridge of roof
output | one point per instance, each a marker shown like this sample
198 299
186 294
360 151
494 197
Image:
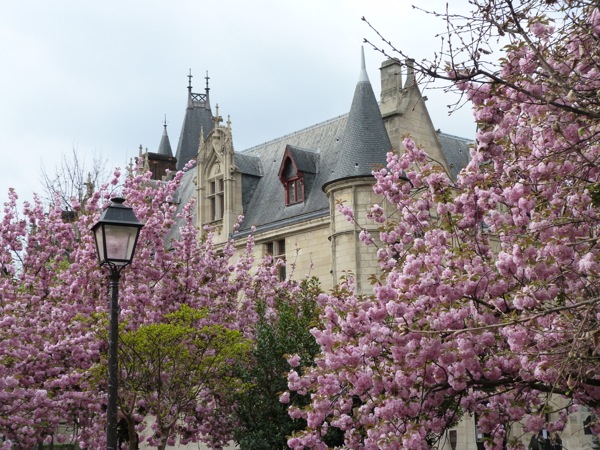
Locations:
462 138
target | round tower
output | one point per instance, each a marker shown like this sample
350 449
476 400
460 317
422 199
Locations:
364 147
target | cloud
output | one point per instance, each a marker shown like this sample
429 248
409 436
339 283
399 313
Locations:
100 76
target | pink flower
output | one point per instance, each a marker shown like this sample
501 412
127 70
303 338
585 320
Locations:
294 360
285 397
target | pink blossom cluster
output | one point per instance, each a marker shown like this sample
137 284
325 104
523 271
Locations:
489 304
54 302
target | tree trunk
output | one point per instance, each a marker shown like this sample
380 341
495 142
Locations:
131 433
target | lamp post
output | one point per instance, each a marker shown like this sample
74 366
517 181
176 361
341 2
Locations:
116 235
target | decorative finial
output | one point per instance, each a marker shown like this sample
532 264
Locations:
165 122
217 118
228 121
141 150
190 76
207 78
130 168
89 186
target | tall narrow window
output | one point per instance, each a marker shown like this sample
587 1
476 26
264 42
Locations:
216 198
276 249
294 191
292 195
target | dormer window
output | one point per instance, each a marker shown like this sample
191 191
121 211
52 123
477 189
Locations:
293 182
296 173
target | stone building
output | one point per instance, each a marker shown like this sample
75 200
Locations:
287 189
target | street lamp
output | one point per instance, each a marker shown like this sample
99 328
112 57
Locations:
116 235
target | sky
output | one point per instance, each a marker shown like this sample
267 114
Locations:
100 77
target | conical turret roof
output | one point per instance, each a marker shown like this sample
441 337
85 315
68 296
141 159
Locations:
164 147
365 142
198 118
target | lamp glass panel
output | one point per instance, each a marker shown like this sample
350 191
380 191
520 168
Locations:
119 243
99 235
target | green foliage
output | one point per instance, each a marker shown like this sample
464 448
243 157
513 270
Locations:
595 193
264 422
168 366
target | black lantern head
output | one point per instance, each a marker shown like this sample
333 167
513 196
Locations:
116 234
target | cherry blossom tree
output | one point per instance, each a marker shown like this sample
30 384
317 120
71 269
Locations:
488 301
43 348
54 300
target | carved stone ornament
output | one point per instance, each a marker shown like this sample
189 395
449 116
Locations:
217 142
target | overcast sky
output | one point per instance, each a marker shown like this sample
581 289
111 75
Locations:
100 76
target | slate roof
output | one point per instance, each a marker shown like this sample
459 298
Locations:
263 194
351 145
247 164
267 207
365 142
198 116
267 210
456 151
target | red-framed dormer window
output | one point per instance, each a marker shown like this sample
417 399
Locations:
294 191
292 180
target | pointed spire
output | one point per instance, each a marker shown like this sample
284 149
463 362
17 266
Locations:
146 161
164 147
130 168
198 115
217 119
363 67
365 142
